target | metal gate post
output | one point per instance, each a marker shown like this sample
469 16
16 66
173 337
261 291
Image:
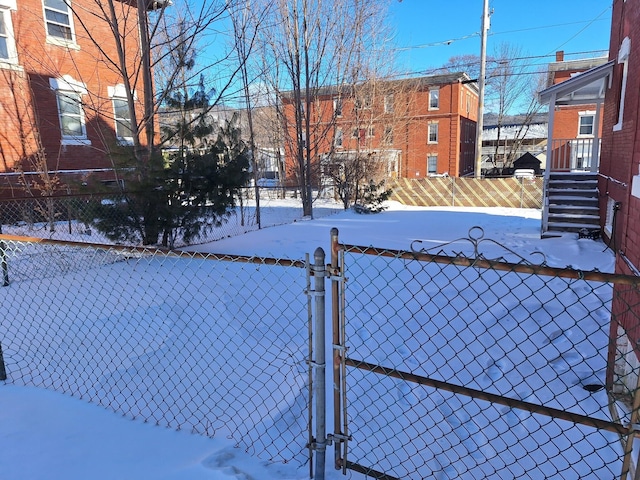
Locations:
336 342
319 274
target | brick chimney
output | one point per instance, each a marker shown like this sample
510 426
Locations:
560 56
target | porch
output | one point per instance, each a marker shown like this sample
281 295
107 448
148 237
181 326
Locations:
570 189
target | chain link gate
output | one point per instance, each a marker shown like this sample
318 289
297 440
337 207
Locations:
452 365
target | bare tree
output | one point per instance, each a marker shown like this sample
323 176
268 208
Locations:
305 46
511 89
368 134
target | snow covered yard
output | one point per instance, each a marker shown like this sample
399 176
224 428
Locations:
72 448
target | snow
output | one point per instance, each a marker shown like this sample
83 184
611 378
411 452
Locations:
46 434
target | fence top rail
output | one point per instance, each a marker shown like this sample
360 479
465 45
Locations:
484 263
151 250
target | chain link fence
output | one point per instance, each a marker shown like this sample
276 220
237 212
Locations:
77 217
217 345
463 361
454 366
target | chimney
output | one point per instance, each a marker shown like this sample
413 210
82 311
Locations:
560 56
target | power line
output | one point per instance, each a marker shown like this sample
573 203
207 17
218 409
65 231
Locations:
477 34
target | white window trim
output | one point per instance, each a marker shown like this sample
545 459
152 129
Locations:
387 138
337 101
588 113
67 84
120 93
623 57
53 40
429 141
431 90
12 61
389 103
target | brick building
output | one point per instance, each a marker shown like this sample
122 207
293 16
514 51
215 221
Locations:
415 127
62 98
619 181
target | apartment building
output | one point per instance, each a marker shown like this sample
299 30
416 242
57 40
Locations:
414 127
65 116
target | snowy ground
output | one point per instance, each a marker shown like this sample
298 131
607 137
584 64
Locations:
48 435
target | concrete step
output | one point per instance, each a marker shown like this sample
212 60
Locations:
569 218
563 209
559 199
571 227
580 177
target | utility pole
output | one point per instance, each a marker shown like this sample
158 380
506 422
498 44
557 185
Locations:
483 66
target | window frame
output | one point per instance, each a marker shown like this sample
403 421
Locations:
55 39
432 157
68 88
337 106
9 34
387 138
584 115
339 138
432 130
389 102
118 93
434 93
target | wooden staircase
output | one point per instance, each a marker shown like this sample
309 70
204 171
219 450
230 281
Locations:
571 204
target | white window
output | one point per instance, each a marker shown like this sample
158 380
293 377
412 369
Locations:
433 133
363 102
371 132
8 52
59 21
70 112
432 164
337 106
434 99
339 137
623 58
388 135
585 123
122 118
388 103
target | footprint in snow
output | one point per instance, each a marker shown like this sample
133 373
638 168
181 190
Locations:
565 361
405 353
443 469
495 370
559 337
408 396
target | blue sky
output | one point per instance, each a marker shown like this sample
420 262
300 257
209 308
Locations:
423 28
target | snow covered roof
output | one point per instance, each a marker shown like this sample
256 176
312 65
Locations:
511 132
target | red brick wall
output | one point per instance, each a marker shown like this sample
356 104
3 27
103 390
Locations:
30 104
620 156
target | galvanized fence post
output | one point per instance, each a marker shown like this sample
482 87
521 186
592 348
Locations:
319 274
